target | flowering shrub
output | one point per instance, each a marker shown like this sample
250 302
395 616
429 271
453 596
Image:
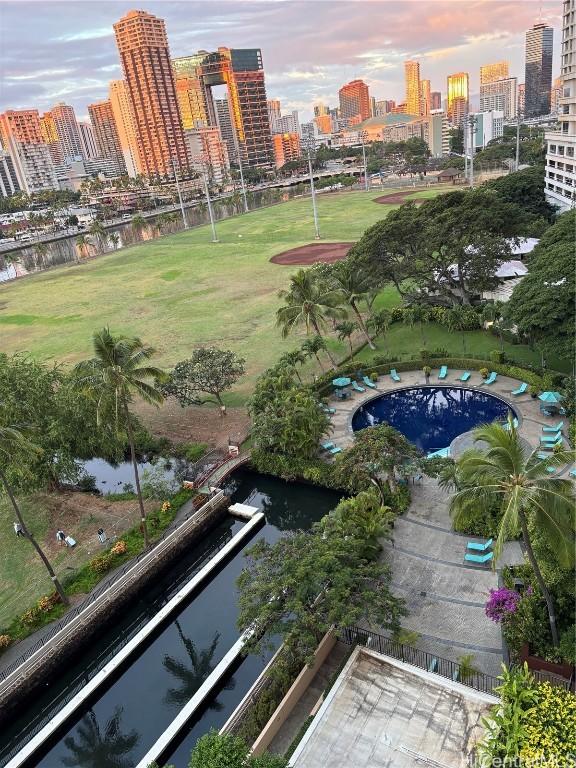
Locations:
5 641
47 602
30 617
166 506
119 548
550 739
102 563
501 603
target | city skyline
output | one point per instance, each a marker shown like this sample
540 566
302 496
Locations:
78 42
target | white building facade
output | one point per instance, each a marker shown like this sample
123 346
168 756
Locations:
560 181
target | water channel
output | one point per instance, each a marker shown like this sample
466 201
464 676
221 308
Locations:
127 715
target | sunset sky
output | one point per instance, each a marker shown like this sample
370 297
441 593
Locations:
65 51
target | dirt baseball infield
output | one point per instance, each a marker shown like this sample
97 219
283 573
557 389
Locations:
313 253
397 198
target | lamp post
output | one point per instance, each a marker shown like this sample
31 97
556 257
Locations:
472 121
184 219
362 139
210 212
313 192
243 186
518 120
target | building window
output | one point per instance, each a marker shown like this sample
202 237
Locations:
553 148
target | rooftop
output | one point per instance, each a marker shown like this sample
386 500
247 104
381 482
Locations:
382 712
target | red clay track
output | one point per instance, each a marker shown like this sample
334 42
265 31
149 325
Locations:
397 198
313 253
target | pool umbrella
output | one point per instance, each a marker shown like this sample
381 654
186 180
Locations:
550 397
341 382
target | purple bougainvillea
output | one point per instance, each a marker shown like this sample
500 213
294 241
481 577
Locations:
501 603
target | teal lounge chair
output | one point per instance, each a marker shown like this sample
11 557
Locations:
357 387
521 389
553 428
465 376
480 547
551 438
443 372
544 455
492 378
327 446
551 470
482 559
394 375
369 383
335 449
572 473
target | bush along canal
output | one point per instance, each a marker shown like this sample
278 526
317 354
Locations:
125 716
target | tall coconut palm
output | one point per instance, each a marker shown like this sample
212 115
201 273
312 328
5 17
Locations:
312 346
380 322
416 314
40 250
138 224
114 239
13 441
354 285
345 330
116 374
456 321
98 233
292 359
93 748
506 475
83 244
308 304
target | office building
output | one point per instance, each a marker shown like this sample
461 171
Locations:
320 109
286 148
490 73
412 87
500 95
399 109
8 179
106 134
242 71
555 96
323 123
457 104
521 100
425 97
125 124
435 101
354 100
437 134
191 102
273 112
67 129
224 122
560 181
208 153
89 149
145 59
538 73
487 126
50 136
287 123
22 138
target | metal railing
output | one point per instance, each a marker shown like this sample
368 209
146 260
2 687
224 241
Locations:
422 659
105 585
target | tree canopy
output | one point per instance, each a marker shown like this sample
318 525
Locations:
204 377
223 750
526 189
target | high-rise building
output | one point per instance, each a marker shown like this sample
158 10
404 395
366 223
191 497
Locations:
435 100
50 136
242 71
125 123
106 134
191 102
323 123
425 97
286 148
489 73
521 100
8 179
438 135
560 181
556 95
412 87
354 100
67 130
457 97
488 125
208 153
320 109
224 121
89 150
538 75
399 109
287 123
273 112
22 138
500 95
372 106
145 58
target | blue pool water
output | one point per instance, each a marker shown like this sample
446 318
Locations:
431 417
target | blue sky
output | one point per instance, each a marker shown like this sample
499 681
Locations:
65 51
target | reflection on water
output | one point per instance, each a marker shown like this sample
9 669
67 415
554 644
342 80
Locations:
431 417
96 747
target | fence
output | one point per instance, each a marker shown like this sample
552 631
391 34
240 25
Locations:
422 659
198 515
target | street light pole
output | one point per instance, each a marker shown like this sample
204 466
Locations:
313 191
184 219
465 142
243 186
364 161
472 120
210 212
517 163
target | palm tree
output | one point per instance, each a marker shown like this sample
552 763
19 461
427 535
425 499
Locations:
505 475
292 359
416 314
312 346
492 313
97 231
41 249
12 441
456 320
308 304
138 224
95 749
345 330
354 284
11 259
380 322
83 243
114 238
117 373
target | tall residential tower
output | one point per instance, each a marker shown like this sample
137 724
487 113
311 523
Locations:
412 87
538 74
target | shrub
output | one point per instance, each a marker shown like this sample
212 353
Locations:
501 603
87 483
567 647
102 563
47 602
478 522
550 732
427 370
497 356
30 617
119 548
5 641
382 359
425 354
195 451
484 372
374 377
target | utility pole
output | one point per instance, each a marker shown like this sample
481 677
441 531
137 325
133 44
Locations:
184 219
472 121
362 137
313 192
465 142
243 186
517 163
210 212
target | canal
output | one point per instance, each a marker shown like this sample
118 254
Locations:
131 711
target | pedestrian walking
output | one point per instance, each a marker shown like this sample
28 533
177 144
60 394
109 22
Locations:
60 537
18 529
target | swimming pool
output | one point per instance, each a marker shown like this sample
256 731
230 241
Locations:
431 417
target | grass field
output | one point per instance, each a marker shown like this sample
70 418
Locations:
181 291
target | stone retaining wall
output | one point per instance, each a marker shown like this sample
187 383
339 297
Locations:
44 665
